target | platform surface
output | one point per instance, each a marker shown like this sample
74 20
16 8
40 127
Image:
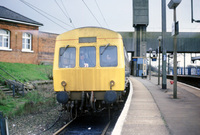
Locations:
154 111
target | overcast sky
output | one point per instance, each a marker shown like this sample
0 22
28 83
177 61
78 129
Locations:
117 14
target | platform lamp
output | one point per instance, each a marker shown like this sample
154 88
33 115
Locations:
150 51
172 5
159 39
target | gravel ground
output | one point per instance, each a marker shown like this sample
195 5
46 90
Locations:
36 123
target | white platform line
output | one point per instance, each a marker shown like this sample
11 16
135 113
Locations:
118 126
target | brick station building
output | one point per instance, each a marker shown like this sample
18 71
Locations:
22 42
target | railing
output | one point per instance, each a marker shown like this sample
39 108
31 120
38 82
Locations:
16 87
9 74
15 84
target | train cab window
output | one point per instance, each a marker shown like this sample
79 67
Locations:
87 56
67 57
109 56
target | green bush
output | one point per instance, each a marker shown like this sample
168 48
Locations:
33 101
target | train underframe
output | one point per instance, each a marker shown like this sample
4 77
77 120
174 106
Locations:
90 101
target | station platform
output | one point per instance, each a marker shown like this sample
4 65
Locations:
150 110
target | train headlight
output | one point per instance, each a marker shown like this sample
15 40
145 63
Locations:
63 83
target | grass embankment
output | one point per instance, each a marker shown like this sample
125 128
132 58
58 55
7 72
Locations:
34 100
26 72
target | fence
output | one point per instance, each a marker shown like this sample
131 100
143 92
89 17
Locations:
3 125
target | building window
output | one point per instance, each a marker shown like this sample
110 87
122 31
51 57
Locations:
27 42
5 40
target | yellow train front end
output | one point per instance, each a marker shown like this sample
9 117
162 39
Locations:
89 62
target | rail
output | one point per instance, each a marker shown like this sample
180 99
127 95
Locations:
105 129
62 128
65 126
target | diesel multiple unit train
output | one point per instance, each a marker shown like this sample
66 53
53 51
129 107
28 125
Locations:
90 68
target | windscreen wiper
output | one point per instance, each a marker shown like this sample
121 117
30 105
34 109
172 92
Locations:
105 48
64 50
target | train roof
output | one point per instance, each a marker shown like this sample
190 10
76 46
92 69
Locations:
88 32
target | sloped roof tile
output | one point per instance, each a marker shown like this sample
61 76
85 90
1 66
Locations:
9 15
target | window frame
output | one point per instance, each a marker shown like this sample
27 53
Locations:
105 66
5 36
59 58
25 39
95 63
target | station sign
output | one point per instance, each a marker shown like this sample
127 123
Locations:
175 28
134 59
140 12
154 58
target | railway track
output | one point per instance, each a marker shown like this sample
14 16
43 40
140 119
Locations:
95 124
187 79
62 128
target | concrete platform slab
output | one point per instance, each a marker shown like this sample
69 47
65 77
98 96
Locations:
143 116
153 111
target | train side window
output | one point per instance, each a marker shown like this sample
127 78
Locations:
67 57
87 56
109 57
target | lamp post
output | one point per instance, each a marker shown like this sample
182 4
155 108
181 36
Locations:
163 44
150 50
172 5
159 39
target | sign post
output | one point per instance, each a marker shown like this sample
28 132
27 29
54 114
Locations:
164 51
172 5
159 39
